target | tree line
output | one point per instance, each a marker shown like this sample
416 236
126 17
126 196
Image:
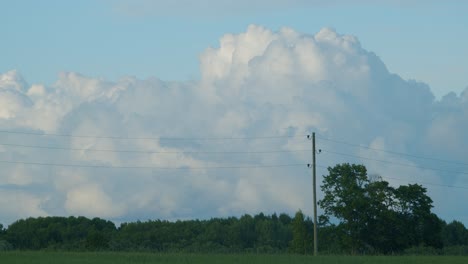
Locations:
362 215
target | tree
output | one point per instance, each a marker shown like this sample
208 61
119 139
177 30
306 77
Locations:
57 232
345 199
247 234
380 216
96 241
455 234
418 225
299 231
374 217
4 245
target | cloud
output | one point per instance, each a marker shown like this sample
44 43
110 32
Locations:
256 84
12 99
91 200
18 204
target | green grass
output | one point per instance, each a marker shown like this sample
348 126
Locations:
115 258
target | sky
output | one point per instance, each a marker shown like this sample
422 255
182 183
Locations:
421 40
145 109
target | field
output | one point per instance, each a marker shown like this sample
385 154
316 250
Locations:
102 258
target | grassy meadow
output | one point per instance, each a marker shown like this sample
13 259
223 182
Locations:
115 258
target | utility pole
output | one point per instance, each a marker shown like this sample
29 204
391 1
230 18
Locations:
314 183
314 177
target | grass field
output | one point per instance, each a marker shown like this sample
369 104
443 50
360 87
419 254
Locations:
102 258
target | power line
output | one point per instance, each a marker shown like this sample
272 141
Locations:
429 183
149 152
419 182
151 167
154 152
392 152
147 138
396 163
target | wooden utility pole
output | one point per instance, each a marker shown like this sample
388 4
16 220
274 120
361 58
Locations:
315 193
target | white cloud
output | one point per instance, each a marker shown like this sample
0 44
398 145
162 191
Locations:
90 200
255 84
12 80
12 103
17 204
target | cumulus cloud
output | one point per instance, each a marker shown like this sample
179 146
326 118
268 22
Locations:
256 84
20 204
91 200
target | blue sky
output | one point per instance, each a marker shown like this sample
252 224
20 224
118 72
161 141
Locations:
226 69
422 40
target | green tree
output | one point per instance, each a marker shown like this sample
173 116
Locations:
96 241
419 227
247 234
345 199
299 232
56 232
374 217
4 245
455 234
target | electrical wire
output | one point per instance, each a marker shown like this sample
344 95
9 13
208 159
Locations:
429 183
391 152
151 167
418 182
395 163
212 152
154 152
147 138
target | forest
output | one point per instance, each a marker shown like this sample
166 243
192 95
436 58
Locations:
362 216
